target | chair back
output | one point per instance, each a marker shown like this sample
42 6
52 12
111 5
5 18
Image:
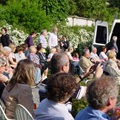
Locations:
2 114
2 104
21 113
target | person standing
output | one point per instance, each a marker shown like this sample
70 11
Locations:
64 43
29 40
42 39
5 37
113 43
53 40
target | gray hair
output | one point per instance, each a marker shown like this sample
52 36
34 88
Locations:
43 31
93 48
114 38
99 92
58 60
86 50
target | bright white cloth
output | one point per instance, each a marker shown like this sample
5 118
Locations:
52 41
50 110
42 40
103 56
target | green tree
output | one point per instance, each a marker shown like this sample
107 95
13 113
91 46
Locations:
97 9
114 3
27 13
58 10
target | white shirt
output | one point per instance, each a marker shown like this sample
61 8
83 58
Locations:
93 55
50 110
50 55
103 56
19 56
52 41
42 40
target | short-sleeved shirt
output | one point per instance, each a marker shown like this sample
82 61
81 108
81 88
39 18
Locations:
103 56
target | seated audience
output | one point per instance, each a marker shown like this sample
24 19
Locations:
60 87
101 96
84 62
58 49
102 54
111 65
25 50
76 57
93 55
5 54
52 52
34 57
3 78
60 64
19 55
41 55
73 62
18 90
11 58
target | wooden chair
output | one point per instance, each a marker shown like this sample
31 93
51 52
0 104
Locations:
21 113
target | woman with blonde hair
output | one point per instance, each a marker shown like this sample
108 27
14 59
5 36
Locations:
11 58
18 90
111 66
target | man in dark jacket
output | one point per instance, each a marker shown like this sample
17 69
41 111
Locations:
4 39
112 44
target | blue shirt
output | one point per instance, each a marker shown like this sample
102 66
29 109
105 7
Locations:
91 114
50 110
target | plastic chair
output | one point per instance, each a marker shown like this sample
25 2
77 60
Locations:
21 113
2 104
2 114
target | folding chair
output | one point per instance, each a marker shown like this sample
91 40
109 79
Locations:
21 113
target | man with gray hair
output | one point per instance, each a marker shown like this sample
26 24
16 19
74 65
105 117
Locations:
42 38
85 62
101 97
93 55
53 40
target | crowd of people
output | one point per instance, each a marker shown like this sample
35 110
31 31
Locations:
27 65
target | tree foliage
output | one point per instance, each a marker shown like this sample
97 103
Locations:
27 13
97 9
36 14
42 14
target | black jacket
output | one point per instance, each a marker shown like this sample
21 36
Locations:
5 40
